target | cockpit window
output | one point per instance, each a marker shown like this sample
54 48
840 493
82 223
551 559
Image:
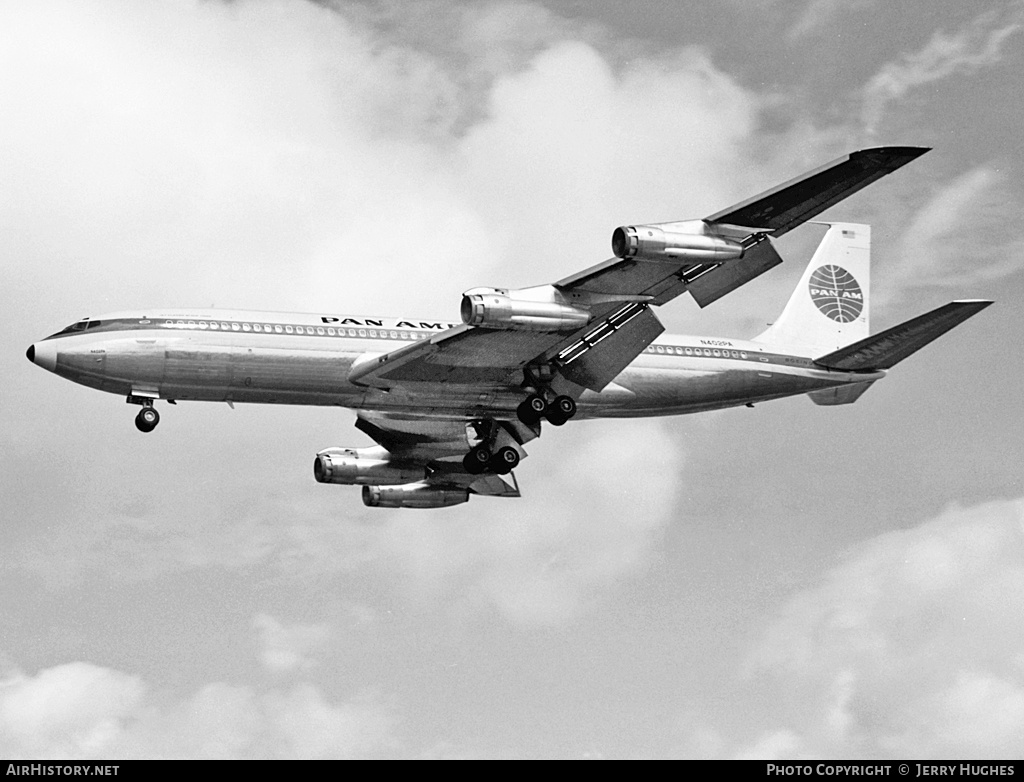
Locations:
82 325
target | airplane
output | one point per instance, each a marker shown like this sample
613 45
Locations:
451 406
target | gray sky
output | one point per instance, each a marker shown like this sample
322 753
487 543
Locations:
785 581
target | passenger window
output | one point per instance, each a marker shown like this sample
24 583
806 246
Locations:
742 354
246 327
660 349
278 330
320 330
362 332
689 352
289 329
214 326
394 335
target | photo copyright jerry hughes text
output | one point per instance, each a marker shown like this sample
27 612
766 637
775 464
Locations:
59 770
890 769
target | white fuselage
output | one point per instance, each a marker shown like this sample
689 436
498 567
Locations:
303 359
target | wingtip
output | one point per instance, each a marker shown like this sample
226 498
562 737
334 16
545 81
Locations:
896 151
979 303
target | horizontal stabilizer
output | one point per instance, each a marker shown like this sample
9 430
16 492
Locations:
783 208
891 346
840 395
495 485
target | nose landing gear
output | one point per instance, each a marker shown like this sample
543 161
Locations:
147 419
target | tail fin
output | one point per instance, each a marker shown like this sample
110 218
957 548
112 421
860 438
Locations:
829 307
891 346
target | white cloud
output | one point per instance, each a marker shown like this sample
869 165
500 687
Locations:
817 15
65 711
978 45
81 710
957 239
282 155
909 648
287 648
597 513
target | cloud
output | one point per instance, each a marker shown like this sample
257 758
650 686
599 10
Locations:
81 710
286 648
957 238
818 14
596 516
284 155
65 711
909 648
978 45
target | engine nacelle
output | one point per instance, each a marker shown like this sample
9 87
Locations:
417 495
662 243
361 466
531 309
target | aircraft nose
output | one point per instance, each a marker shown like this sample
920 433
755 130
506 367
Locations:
43 354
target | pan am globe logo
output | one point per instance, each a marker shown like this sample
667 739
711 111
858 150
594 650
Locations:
836 293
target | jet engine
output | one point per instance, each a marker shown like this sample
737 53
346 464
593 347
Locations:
361 466
416 495
531 309
672 242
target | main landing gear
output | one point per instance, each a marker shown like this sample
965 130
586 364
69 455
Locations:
496 450
480 459
536 407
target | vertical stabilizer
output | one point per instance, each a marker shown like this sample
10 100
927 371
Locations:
829 307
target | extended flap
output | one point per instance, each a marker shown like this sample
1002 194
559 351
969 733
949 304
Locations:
602 362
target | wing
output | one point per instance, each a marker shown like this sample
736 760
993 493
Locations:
497 359
749 223
654 264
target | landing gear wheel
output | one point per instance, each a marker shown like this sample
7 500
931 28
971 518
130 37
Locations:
147 419
561 410
477 460
532 410
505 460
566 406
